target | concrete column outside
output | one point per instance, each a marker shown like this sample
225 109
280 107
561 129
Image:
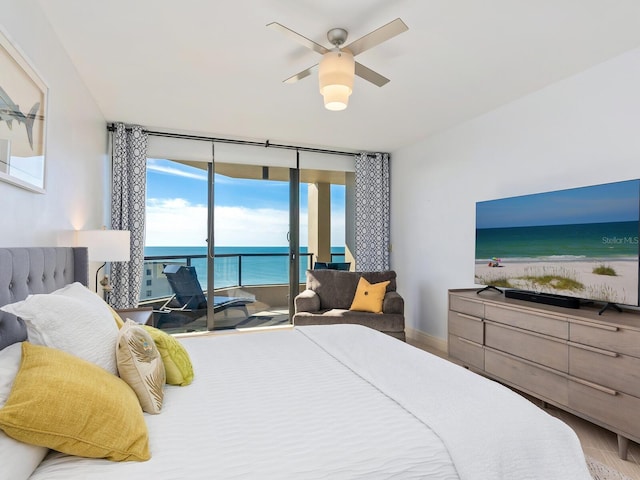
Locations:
319 203
350 220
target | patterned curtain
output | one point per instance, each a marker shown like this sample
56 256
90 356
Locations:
128 192
373 209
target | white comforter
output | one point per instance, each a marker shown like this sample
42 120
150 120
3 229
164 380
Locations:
335 402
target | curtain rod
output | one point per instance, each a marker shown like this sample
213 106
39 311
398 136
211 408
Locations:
111 127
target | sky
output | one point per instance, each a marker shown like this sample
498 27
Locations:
611 202
246 213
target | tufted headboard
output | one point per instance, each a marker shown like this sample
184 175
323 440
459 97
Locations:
26 271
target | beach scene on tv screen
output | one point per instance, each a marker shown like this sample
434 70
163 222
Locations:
580 242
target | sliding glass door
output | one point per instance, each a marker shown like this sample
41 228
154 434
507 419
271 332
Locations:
252 218
175 274
228 242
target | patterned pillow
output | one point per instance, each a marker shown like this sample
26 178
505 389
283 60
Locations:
177 363
140 365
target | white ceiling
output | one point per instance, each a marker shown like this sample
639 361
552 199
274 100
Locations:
212 66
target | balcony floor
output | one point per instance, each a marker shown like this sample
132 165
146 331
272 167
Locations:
232 318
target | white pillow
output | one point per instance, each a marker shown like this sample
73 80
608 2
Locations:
76 326
18 459
10 359
80 292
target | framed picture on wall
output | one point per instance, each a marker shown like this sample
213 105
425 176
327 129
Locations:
23 107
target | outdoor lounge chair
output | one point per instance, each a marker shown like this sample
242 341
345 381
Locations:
187 291
332 266
189 302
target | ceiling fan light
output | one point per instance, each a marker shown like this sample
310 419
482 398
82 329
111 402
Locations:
336 97
337 70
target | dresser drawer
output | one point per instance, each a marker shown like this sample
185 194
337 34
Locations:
618 372
547 351
469 353
466 326
617 410
533 321
525 376
606 337
471 307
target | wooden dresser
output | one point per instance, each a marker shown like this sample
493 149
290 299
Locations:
575 359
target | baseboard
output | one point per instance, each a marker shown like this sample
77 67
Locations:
424 340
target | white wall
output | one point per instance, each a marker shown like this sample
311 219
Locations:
583 130
76 160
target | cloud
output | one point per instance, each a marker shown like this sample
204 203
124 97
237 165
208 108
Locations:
177 222
166 168
250 226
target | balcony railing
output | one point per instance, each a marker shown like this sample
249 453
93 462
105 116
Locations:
230 270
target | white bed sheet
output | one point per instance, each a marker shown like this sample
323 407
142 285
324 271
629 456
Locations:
489 431
334 402
275 405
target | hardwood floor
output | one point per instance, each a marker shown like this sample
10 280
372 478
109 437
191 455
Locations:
601 444
597 442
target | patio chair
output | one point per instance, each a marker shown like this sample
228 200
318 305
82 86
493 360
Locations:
332 266
187 291
189 302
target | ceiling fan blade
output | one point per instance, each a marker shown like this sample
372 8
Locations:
370 76
300 75
298 38
378 36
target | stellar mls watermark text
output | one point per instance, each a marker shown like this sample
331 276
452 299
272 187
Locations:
620 240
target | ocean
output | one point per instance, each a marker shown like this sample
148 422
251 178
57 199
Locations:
267 266
605 241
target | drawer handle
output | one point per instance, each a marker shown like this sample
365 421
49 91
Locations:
595 386
464 340
469 317
609 328
593 349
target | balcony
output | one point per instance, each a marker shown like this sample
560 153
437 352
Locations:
261 277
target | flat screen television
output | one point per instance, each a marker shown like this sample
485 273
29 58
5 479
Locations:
578 243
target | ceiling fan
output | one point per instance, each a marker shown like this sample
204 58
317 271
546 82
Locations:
337 67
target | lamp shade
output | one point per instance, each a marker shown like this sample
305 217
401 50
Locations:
105 245
337 69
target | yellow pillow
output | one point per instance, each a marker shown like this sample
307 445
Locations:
177 364
140 365
369 296
67 404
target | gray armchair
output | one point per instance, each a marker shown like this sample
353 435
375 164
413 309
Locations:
328 296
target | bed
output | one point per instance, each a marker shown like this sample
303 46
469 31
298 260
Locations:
316 402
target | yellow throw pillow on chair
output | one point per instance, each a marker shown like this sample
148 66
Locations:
369 296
